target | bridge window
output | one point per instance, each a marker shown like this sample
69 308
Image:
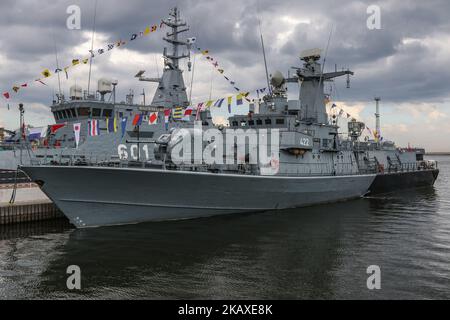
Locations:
56 115
96 112
235 124
61 115
84 112
268 121
280 121
251 123
73 112
243 123
259 122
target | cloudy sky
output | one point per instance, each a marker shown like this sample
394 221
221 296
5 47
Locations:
406 62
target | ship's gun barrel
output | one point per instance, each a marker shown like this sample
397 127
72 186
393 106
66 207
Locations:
142 141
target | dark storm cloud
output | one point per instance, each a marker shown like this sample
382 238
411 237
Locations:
384 64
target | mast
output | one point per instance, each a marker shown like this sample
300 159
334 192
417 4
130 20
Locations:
175 22
171 91
265 59
92 48
57 68
312 78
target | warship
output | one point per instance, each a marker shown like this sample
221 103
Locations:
398 168
311 163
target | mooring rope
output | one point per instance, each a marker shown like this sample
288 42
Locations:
13 195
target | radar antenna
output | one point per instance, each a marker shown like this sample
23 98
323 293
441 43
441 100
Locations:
178 26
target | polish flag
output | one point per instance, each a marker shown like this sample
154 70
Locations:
153 118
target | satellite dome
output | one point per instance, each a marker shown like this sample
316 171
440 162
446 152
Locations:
278 79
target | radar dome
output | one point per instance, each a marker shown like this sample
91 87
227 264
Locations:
278 79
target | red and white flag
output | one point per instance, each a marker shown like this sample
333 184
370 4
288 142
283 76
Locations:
153 118
167 114
94 129
77 130
199 110
188 113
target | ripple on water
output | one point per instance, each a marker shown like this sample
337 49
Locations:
320 252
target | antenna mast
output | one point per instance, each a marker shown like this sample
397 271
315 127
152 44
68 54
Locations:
92 47
377 115
265 59
192 82
57 67
175 22
323 65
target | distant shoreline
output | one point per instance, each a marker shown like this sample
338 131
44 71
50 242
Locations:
438 153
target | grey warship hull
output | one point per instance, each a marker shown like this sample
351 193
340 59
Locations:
96 196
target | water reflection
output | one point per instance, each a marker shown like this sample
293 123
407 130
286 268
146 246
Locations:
319 252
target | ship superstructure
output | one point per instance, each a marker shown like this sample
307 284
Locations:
83 107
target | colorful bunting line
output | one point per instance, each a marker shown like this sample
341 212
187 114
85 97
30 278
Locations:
215 64
46 73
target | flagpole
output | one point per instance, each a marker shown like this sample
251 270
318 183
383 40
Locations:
263 48
192 81
57 67
92 47
265 59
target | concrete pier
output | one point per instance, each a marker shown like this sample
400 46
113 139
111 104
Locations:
30 205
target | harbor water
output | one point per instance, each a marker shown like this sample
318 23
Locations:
321 252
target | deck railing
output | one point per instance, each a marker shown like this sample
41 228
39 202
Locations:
66 157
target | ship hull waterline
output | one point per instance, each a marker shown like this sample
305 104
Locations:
96 196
